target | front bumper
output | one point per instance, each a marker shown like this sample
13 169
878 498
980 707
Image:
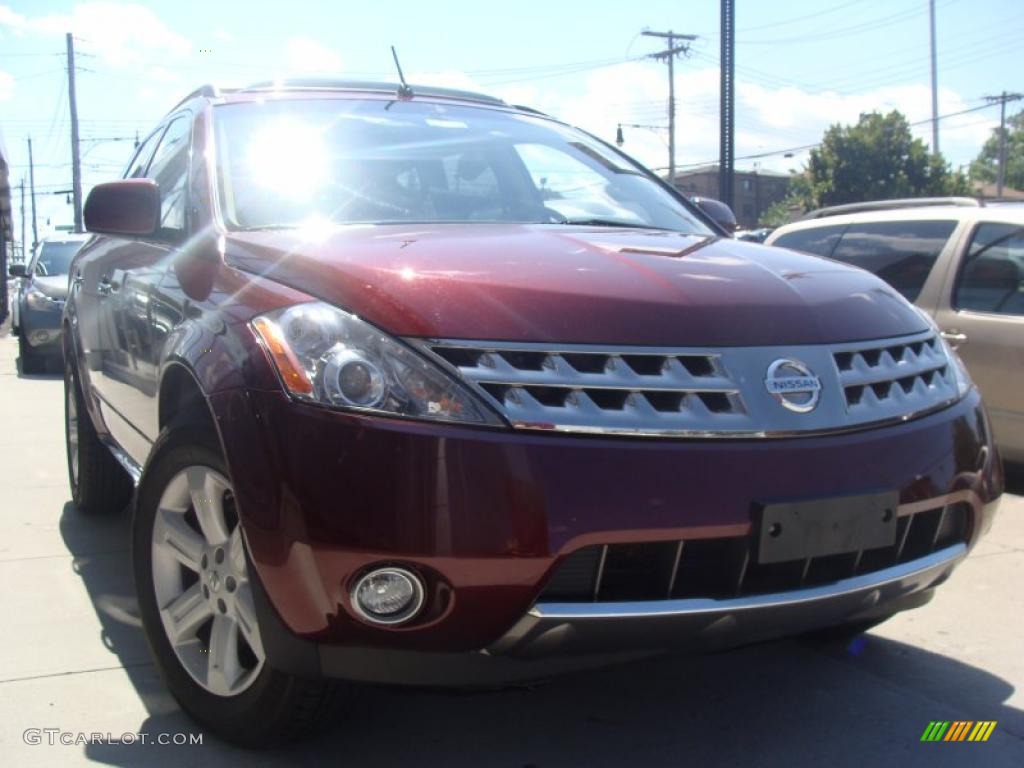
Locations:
486 516
553 638
41 328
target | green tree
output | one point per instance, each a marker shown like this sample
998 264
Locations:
877 159
798 200
986 166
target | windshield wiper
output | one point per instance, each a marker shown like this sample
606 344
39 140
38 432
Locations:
598 222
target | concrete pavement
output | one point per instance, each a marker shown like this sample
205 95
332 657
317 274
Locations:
72 658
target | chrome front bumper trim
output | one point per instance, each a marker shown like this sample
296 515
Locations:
559 628
643 608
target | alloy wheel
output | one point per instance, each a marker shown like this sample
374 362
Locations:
202 585
71 415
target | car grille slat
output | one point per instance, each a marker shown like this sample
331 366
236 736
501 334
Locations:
695 392
727 567
894 378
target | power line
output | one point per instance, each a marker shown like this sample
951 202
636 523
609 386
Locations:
804 147
825 35
804 17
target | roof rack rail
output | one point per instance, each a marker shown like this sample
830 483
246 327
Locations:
208 91
531 110
329 84
892 205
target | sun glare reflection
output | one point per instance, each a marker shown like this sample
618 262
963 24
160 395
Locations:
289 157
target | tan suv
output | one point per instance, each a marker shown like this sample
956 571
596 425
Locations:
959 260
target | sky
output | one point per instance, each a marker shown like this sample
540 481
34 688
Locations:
800 67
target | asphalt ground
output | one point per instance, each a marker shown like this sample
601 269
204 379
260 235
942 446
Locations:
73 661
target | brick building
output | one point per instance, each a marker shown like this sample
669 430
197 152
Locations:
754 191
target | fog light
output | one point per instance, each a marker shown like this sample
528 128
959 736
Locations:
40 337
388 596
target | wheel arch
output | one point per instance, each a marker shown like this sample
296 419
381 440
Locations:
181 400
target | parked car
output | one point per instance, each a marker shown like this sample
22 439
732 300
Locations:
394 417
753 235
960 261
39 300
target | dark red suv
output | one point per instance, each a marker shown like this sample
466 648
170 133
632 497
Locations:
428 388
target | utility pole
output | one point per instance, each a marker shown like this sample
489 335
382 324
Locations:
76 162
935 82
669 54
727 108
32 189
1002 99
23 259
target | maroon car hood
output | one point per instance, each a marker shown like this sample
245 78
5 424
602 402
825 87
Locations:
551 283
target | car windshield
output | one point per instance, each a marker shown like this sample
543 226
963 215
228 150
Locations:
55 258
288 163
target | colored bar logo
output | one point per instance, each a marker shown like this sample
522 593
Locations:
958 730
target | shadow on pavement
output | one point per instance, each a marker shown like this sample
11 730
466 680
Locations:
1014 478
779 704
53 371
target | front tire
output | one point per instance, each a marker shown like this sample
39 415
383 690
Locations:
98 483
192 574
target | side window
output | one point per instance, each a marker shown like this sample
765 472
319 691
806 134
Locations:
900 252
992 275
819 241
169 169
140 160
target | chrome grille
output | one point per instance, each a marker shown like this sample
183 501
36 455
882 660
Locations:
895 378
587 387
698 392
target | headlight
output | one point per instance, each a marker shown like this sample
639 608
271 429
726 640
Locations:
36 299
327 356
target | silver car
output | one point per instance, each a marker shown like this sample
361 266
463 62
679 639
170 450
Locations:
37 306
959 260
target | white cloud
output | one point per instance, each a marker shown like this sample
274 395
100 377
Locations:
6 85
11 19
122 34
304 55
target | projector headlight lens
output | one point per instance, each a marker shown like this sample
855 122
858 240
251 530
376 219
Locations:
327 356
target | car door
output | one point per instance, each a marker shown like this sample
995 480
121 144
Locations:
981 313
99 258
128 381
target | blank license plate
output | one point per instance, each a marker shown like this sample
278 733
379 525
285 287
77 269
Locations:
818 527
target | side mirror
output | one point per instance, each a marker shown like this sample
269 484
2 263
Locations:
717 211
17 270
128 207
